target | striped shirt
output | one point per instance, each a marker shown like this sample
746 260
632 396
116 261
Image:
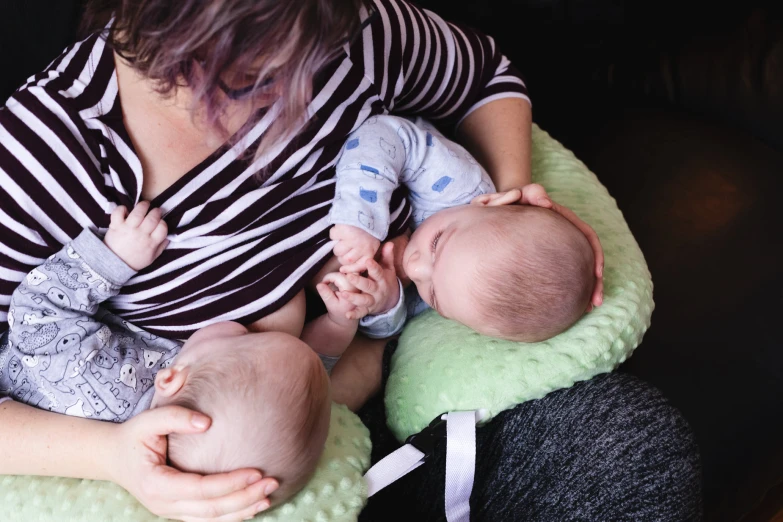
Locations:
240 249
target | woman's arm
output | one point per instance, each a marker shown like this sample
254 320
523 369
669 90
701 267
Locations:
357 376
498 135
38 442
133 455
435 69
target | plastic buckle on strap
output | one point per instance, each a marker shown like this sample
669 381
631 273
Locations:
425 440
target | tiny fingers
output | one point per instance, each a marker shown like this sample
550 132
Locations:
357 313
358 300
136 215
150 221
338 280
362 283
161 248
118 215
325 292
374 270
340 249
355 268
160 232
598 293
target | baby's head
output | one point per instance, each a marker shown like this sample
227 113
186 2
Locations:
516 272
268 397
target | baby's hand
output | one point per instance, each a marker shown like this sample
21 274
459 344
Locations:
381 281
353 246
138 238
344 302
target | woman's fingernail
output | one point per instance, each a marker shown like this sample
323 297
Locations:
264 504
199 421
252 479
271 488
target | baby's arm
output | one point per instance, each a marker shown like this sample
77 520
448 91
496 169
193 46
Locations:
60 296
369 169
331 333
72 283
445 174
387 316
58 299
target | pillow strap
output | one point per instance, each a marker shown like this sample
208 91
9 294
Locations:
459 429
460 463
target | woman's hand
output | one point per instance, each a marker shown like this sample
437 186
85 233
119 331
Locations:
535 195
138 464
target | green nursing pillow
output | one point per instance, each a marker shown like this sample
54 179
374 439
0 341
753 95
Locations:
442 366
336 493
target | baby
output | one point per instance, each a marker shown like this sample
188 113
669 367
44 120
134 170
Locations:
268 394
511 271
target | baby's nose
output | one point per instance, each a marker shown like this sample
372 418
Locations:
421 268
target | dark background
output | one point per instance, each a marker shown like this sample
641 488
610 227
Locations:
678 108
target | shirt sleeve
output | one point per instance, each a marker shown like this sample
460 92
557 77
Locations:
51 183
426 66
58 296
368 171
386 324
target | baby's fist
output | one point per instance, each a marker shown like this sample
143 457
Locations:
353 245
345 303
137 238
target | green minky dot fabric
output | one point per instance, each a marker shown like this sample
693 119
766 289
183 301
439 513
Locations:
441 366
336 493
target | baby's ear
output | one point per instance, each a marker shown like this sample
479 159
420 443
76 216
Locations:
170 380
497 199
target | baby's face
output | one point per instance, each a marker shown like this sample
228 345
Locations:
212 343
219 336
442 258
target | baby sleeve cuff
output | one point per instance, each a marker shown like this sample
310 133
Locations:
388 323
101 259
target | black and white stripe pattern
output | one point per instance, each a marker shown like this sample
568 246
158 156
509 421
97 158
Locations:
239 249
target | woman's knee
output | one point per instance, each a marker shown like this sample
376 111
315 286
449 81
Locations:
608 448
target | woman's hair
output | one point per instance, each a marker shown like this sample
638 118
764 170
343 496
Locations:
165 39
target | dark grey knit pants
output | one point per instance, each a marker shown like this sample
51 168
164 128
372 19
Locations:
606 449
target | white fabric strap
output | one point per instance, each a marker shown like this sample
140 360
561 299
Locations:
460 463
393 466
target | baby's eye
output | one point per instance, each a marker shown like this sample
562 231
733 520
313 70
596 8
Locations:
435 241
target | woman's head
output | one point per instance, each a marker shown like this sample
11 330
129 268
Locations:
249 48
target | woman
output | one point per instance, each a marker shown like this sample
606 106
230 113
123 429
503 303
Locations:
229 115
